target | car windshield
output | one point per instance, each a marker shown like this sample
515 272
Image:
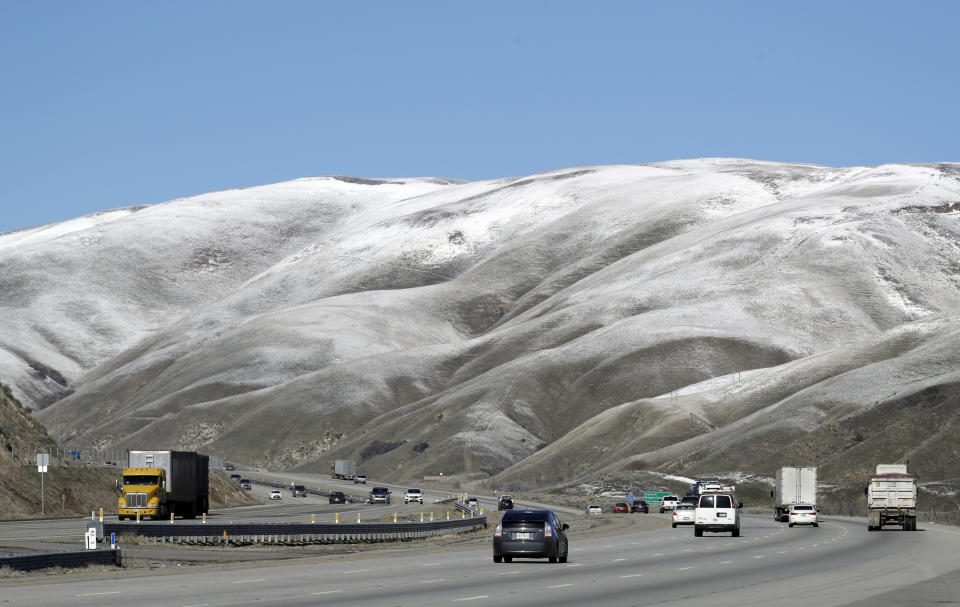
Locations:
141 479
414 491
803 507
685 507
706 501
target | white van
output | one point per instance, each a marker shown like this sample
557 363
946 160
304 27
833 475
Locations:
717 512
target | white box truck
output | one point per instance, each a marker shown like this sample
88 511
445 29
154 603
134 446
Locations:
892 498
793 485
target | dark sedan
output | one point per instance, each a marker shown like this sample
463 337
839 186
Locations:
641 506
530 534
337 497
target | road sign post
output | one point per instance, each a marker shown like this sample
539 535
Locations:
43 460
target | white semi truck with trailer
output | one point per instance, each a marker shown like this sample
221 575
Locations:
345 469
793 485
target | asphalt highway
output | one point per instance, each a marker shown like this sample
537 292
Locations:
838 563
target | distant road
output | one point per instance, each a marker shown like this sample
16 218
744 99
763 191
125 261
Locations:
770 564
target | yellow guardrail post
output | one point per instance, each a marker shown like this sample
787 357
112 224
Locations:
358 517
313 518
421 517
431 517
394 517
336 518
101 515
138 516
204 518
171 517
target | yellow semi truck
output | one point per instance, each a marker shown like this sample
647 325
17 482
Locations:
157 484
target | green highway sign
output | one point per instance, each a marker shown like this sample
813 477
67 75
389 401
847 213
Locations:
654 497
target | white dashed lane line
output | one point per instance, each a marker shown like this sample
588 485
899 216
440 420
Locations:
560 586
632 575
326 592
473 598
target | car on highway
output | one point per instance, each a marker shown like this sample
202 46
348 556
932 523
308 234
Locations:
275 494
337 497
621 507
235 477
473 502
379 495
246 484
640 506
669 503
683 514
690 499
803 514
229 467
360 479
593 509
413 495
530 534
505 502
717 513
298 491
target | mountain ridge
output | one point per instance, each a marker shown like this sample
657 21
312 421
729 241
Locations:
328 317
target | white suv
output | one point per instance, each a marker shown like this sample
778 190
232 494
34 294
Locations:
275 495
413 495
717 512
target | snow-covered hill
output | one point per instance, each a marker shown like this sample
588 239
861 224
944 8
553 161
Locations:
682 315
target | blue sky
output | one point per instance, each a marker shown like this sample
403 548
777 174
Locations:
110 104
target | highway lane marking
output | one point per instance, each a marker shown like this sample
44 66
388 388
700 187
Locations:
357 571
758 556
782 552
658 554
198 605
632 575
249 581
473 598
683 568
431 581
510 572
560 586
99 593
576 565
725 562
618 560
327 592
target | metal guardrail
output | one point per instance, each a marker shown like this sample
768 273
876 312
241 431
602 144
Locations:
238 534
73 558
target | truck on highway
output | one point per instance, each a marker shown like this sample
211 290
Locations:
793 485
892 498
157 484
345 469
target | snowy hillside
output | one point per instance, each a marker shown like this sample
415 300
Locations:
682 315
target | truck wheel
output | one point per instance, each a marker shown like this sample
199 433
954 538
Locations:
790 525
697 531
674 525
736 532
498 559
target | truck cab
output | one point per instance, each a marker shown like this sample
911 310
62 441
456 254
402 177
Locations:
143 493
